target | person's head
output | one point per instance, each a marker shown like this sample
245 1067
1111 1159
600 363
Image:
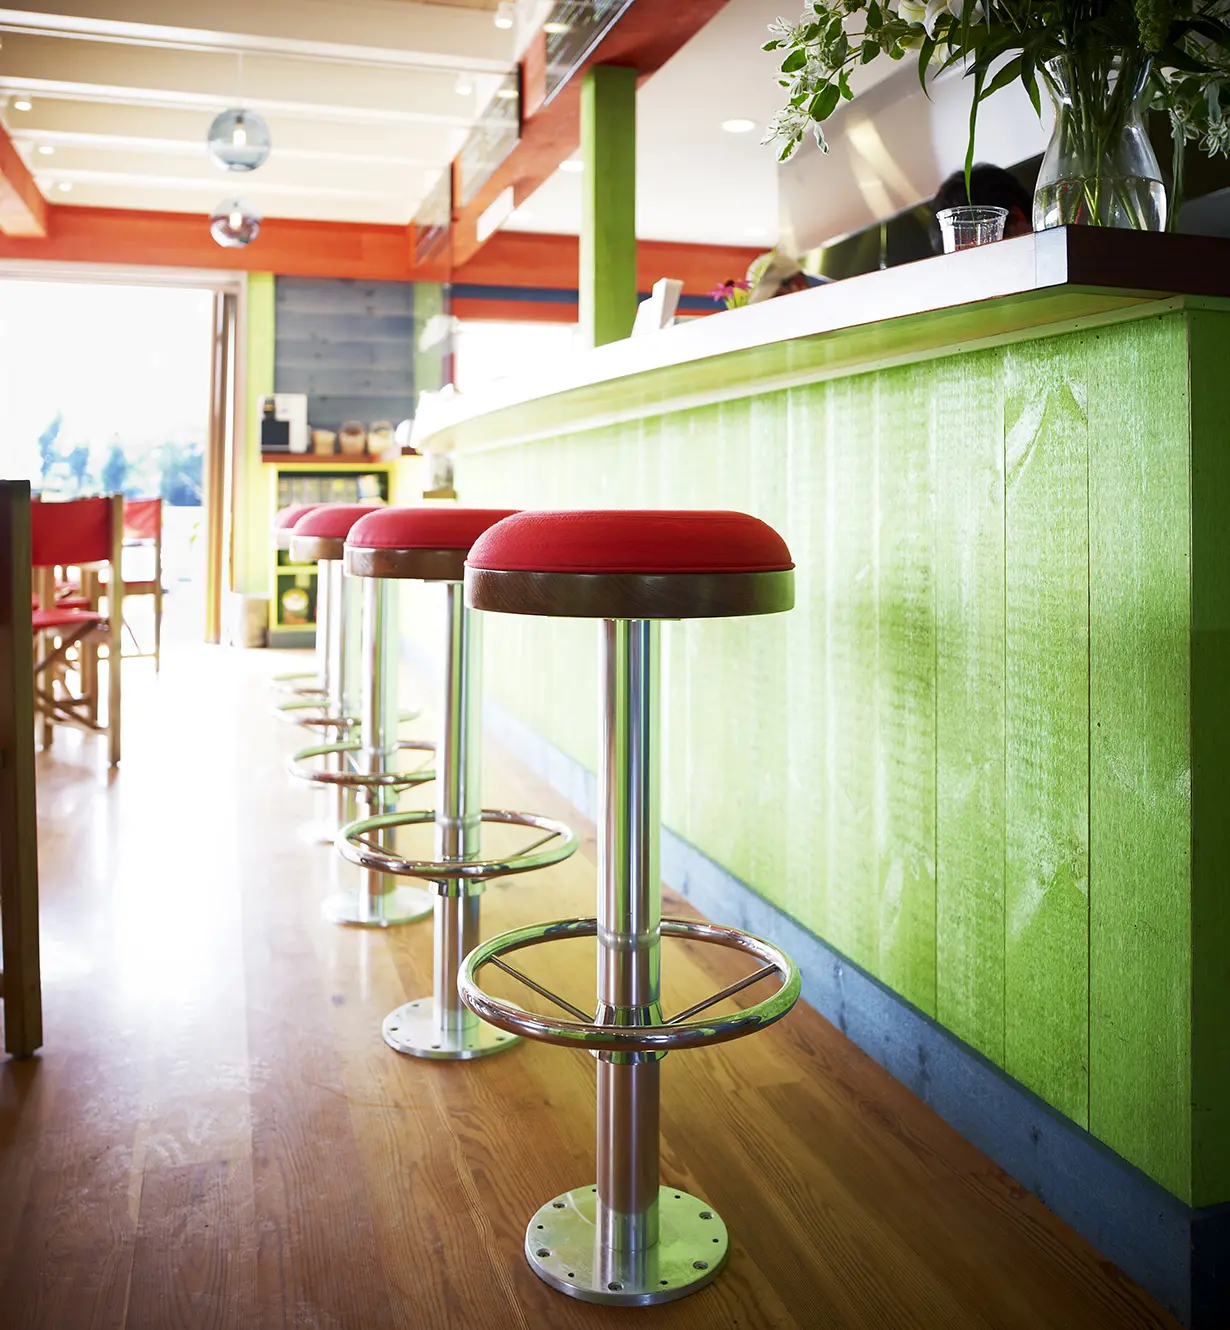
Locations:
989 187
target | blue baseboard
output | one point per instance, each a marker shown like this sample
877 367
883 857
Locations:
1179 1255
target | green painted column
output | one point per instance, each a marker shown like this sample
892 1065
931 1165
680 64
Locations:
253 513
608 218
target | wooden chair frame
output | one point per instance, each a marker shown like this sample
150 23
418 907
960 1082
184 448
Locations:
20 979
52 663
150 587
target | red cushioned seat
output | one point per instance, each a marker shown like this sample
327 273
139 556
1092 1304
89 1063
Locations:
424 528
287 517
332 521
631 564
632 541
321 533
427 544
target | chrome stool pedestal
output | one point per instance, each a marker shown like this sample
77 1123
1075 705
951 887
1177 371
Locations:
310 688
439 1025
319 537
624 1239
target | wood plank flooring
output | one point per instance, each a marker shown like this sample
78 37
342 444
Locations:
215 1138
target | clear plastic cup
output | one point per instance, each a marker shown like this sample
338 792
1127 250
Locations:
963 228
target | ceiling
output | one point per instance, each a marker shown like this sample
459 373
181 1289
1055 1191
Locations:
696 182
363 103
361 98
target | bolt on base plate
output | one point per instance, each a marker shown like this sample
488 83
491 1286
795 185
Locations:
412 1029
403 905
562 1249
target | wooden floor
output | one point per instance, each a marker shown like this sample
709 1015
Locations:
215 1135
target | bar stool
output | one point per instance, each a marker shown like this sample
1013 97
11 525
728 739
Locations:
628 1240
319 536
305 683
429 544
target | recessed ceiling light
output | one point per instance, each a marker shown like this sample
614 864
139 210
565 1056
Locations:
506 14
556 28
464 85
23 104
738 126
574 165
64 186
45 149
507 93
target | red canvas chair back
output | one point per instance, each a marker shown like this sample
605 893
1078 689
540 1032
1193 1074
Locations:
71 533
142 519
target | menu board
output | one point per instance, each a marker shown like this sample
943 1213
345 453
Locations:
574 28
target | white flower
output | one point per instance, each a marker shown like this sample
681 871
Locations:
937 9
913 12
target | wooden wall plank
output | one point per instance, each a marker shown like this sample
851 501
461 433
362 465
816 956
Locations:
349 346
850 683
968 425
1140 774
1210 665
808 802
1046 886
904 760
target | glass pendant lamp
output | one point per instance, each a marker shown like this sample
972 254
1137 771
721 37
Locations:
239 140
234 223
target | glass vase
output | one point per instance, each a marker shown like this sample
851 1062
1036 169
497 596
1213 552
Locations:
1099 168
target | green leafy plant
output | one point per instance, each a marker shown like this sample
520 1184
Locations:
1180 47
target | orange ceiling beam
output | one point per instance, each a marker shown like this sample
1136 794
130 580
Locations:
23 210
644 39
293 248
286 246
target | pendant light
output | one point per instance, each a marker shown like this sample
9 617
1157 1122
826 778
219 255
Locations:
234 223
238 138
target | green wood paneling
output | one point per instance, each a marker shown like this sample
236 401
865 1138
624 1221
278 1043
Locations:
970 810
1140 777
988 546
850 670
1210 684
1046 783
904 767
252 517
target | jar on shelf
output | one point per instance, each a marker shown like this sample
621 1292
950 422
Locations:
352 439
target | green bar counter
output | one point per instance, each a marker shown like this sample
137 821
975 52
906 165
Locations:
986 760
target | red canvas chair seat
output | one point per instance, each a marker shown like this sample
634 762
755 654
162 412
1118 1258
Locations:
85 534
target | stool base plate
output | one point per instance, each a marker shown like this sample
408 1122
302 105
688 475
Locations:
412 1029
561 1247
403 905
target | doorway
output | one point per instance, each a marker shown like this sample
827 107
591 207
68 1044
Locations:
110 387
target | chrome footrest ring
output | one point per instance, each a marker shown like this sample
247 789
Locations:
351 845
394 780
631 1038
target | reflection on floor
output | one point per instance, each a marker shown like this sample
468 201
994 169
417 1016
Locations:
215 1135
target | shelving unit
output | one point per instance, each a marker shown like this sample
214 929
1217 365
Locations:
307 478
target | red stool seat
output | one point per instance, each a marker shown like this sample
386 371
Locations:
631 564
321 533
427 544
284 520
